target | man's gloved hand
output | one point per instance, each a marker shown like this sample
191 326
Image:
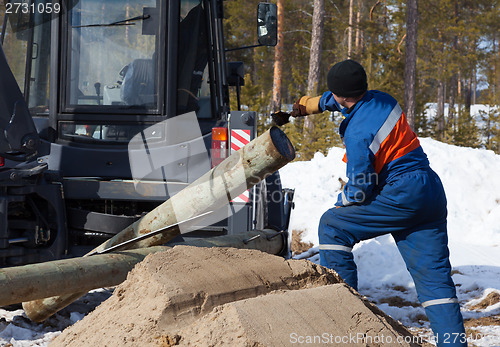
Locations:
306 105
299 110
280 118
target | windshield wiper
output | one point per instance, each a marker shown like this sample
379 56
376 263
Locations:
120 22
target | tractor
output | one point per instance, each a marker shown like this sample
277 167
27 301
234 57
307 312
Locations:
108 108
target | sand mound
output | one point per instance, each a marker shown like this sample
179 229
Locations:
330 314
224 296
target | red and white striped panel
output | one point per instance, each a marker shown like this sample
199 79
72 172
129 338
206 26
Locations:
243 198
240 138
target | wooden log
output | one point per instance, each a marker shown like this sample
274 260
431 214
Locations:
67 276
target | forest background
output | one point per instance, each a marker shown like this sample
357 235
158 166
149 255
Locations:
453 55
441 53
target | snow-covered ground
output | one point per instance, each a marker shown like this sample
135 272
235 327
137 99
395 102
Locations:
472 181
16 330
471 178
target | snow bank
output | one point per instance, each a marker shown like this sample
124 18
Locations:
470 177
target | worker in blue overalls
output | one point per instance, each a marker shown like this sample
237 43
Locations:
390 189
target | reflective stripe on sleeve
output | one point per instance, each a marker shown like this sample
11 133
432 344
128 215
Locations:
345 201
440 302
335 248
386 128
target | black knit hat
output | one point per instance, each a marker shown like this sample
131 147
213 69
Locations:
347 78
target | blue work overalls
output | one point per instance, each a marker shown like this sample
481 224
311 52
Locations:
392 189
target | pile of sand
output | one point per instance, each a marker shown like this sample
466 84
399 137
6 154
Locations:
193 296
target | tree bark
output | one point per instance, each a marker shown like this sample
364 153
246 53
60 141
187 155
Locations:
474 87
468 95
411 60
455 78
314 58
349 29
278 60
451 101
316 47
359 34
496 72
440 111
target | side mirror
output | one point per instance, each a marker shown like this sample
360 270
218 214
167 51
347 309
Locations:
267 24
236 73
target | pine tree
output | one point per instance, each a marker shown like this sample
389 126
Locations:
490 129
466 133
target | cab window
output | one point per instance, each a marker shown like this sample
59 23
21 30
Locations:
113 56
26 43
193 81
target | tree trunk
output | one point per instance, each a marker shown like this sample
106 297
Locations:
474 86
455 78
314 58
440 111
411 60
451 102
495 73
278 60
316 42
349 29
460 83
468 95
359 34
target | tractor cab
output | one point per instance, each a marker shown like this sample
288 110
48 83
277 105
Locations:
100 71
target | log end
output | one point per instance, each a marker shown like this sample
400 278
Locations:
282 143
